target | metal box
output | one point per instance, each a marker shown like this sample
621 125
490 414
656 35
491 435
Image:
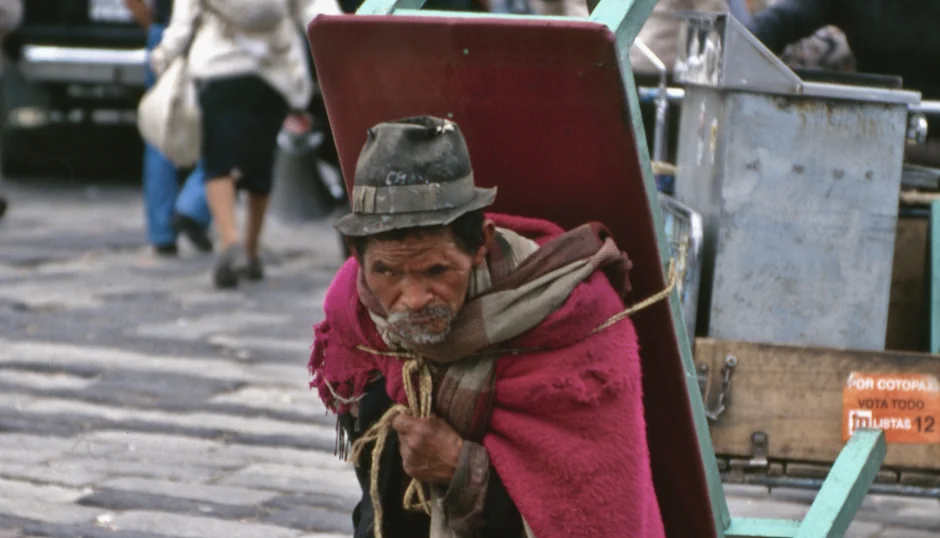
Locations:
797 183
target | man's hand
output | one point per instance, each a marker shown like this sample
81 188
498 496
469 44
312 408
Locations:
298 123
430 448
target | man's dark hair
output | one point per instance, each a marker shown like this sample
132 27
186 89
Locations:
468 233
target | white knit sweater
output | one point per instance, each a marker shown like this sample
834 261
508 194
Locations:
218 52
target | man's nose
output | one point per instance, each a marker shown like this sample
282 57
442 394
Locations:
415 295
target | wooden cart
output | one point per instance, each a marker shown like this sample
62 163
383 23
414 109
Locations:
550 111
778 416
814 290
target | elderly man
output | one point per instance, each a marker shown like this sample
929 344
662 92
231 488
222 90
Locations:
482 356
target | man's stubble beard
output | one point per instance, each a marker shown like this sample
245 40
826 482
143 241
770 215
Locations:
402 323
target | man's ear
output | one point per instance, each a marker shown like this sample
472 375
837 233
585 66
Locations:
489 232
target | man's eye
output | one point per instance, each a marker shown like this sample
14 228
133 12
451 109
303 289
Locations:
380 269
436 270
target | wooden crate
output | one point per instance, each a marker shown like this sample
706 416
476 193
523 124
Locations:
795 396
908 313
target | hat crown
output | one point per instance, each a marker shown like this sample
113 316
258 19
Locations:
418 150
413 172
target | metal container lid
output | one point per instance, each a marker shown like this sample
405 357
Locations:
715 50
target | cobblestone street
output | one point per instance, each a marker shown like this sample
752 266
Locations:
137 401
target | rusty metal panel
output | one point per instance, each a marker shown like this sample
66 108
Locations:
800 201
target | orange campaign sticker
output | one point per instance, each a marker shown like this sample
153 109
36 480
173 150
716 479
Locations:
905 406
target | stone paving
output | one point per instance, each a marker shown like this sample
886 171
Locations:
137 401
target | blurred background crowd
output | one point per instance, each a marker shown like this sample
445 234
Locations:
75 70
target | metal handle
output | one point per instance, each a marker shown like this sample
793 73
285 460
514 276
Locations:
930 108
649 95
662 102
730 362
917 129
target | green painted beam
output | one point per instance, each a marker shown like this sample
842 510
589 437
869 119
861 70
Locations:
934 275
845 487
749 527
387 7
716 491
623 17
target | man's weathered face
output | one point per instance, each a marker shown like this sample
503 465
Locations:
421 281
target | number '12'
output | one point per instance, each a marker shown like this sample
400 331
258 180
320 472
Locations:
925 424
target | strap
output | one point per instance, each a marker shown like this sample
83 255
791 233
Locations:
197 25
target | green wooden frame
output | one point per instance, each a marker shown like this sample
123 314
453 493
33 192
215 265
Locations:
933 275
854 470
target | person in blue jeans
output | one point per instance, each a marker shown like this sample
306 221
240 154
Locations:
170 210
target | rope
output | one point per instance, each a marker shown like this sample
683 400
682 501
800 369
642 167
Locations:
918 197
339 398
645 303
661 168
419 405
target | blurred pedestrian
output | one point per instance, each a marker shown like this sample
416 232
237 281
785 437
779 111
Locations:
11 15
169 209
560 8
350 6
826 49
251 74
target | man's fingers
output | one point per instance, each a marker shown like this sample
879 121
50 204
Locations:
404 423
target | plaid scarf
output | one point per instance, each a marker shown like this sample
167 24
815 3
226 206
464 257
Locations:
519 286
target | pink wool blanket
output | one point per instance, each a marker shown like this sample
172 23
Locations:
567 434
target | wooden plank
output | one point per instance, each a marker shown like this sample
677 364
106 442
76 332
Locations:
886 477
919 198
845 488
934 272
795 395
920 480
802 470
907 324
806 470
750 527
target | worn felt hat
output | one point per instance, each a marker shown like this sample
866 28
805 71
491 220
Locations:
413 172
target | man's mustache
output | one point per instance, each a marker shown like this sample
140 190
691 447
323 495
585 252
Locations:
424 315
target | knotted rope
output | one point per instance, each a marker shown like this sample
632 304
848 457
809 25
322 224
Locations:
419 405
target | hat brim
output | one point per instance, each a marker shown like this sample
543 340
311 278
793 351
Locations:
360 224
